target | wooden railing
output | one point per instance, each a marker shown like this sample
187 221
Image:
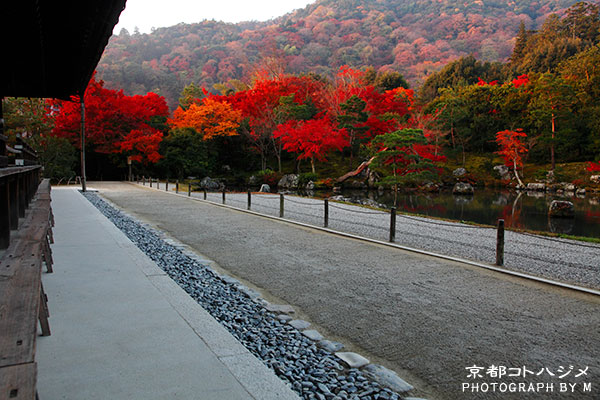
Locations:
22 299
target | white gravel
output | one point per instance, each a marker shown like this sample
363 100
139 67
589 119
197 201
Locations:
565 260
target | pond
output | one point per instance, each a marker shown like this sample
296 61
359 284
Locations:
520 210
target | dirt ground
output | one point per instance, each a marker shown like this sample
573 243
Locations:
426 318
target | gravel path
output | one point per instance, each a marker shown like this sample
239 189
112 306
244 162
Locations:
426 318
564 260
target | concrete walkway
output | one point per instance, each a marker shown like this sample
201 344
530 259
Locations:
122 329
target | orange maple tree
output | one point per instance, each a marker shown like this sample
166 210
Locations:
211 118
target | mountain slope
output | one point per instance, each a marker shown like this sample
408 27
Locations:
413 37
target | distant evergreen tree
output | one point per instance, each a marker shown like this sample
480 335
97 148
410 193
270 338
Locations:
520 44
462 72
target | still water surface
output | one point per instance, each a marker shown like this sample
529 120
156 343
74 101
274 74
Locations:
525 210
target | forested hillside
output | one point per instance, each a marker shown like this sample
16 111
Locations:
415 38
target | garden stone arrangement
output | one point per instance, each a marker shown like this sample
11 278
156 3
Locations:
314 367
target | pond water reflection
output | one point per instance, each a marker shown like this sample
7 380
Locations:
523 210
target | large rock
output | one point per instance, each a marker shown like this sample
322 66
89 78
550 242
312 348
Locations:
595 178
536 187
289 181
280 308
561 209
503 172
372 178
458 172
312 335
568 187
299 324
387 378
352 360
354 184
210 184
561 225
431 187
253 180
265 188
462 188
310 185
330 346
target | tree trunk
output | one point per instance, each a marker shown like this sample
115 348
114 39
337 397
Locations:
312 165
552 161
517 172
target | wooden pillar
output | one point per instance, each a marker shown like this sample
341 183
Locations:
281 201
393 225
4 214
22 195
83 177
500 244
13 203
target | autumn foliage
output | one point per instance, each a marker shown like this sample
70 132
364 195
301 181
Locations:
211 118
114 122
512 149
593 167
312 139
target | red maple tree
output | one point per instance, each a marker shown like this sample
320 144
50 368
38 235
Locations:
114 122
312 139
259 106
593 167
512 149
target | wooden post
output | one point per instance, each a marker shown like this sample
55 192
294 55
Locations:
393 224
144 180
83 177
177 186
150 181
281 205
129 165
167 185
43 313
22 195
249 199
13 200
500 244
204 194
189 189
223 195
4 215
326 214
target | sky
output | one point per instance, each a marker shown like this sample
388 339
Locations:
146 14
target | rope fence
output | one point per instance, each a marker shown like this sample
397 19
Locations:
434 222
326 204
359 211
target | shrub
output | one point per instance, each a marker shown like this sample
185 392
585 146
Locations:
269 177
303 179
